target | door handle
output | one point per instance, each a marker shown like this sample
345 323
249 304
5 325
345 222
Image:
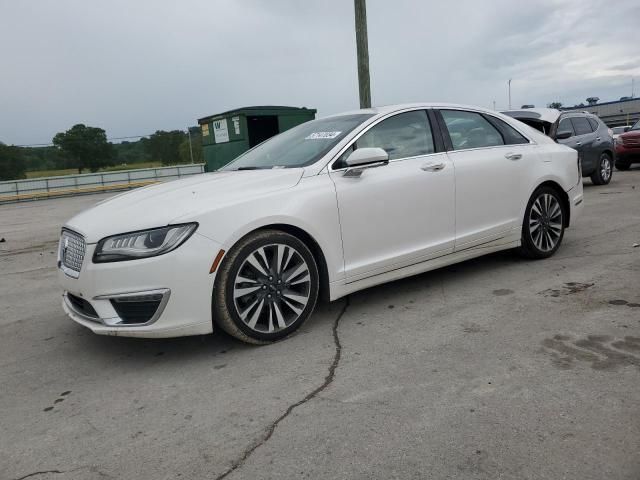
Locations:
578 144
432 167
597 139
513 156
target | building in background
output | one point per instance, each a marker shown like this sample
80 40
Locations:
226 135
621 112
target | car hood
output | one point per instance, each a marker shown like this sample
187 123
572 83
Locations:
630 134
178 201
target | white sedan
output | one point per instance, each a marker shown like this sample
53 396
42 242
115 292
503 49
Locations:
325 209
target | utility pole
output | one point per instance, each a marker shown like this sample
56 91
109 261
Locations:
190 146
362 48
509 83
494 105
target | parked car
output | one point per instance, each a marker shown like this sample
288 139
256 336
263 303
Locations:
628 147
617 131
324 209
580 130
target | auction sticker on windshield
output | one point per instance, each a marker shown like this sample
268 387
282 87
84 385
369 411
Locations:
322 135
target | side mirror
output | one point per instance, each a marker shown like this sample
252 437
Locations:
563 135
626 129
363 158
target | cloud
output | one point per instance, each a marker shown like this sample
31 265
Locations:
135 67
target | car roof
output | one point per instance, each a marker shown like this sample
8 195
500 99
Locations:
384 109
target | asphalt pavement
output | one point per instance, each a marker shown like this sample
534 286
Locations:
496 368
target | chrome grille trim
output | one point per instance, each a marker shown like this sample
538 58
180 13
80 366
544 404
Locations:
71 252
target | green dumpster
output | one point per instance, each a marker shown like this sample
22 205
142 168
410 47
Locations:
228 134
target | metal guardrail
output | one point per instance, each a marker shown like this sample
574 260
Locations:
69 185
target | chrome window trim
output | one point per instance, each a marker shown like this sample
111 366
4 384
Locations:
489 148
350 142
531 141
328 167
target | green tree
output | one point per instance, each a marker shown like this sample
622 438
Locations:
556 105
86 147
164 146
12 166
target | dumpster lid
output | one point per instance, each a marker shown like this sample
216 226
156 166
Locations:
255 110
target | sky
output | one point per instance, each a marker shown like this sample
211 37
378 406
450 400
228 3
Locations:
136 66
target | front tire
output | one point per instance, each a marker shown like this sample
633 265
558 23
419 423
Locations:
604 170
543 226
266 288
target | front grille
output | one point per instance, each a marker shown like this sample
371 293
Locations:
631 142
134 310
72 248
82 306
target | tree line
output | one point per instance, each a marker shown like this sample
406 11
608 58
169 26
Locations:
84 148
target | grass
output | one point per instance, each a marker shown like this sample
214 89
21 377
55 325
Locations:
74 171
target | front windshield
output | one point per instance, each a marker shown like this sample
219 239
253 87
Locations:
299 146
636 126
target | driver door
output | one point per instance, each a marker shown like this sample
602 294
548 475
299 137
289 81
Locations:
401 213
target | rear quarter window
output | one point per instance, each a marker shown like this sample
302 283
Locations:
510 135
581 125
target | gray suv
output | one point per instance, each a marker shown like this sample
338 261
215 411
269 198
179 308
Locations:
580 130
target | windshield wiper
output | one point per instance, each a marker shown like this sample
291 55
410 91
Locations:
247 168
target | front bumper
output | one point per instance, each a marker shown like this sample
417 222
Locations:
627 153
179 279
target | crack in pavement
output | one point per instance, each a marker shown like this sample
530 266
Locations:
327 381
43 472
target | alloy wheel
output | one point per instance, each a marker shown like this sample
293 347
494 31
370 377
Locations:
545 222
605 168
272 288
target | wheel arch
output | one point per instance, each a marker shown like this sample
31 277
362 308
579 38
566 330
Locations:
609 152
315 248
306 238
563 197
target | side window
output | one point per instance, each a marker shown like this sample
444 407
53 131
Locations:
510 135
565 125
470 130
401 136
594 123
581 125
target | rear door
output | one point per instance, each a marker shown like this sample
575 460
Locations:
586 141
490 160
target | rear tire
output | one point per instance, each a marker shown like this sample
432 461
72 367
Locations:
266 288
604 170
543 225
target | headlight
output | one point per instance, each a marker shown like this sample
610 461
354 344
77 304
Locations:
142 244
